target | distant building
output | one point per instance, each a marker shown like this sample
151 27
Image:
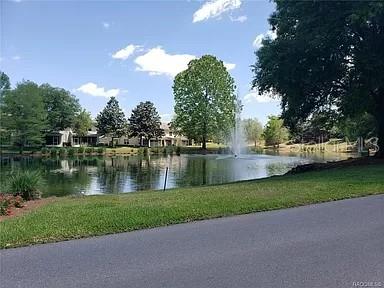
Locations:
168 139
68 138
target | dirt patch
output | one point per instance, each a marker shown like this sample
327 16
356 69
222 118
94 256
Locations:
28 207
336 164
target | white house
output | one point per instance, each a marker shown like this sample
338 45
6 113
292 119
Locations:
68 138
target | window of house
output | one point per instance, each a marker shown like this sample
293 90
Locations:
55 140
126 141
75 140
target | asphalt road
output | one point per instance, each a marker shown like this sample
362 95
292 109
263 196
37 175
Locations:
326 245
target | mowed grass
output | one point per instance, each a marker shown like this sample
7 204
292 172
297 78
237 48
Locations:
71 217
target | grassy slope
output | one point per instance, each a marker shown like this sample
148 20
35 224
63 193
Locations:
96 215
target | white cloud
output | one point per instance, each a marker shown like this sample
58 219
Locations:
229 66
257 43
92 89
158 62
124 53
240 19
106 25
16 57
255 96
214 8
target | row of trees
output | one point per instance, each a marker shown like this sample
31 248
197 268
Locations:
327 57
274 132
30 111
144 122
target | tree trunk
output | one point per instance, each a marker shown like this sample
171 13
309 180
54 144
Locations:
204 143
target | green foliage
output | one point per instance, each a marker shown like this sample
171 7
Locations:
53 152
82 123
314 64
24 114
44 150
5 84
253 130
62 152
71 152
145 151
111 120
205 101
80 150
178 150
26 184
89 150
100 150
145 122
274 132
61 107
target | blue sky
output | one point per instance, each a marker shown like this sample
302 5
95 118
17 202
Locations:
132 49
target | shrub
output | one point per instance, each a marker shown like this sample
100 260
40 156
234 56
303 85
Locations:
26 184
89 150
100 150
62 152
178 150
145 150
71 152
9 201
165 150
53 152
44 150
80 150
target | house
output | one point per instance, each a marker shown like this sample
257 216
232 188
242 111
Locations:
168 139
68 138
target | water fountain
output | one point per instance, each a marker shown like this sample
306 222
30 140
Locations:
238 142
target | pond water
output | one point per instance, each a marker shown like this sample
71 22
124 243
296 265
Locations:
106 175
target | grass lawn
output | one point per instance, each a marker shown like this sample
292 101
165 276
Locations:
76 217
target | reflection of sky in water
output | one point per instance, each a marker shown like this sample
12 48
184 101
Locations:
98 175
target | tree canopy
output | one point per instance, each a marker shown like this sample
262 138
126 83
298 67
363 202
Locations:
82 123
205 101
61 106
145 122
23 113
274 132
111 120
253 130
328 55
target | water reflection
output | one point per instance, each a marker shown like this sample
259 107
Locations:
106 175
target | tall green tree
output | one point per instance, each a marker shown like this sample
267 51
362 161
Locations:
327 55
145 122
5 84
24 114
205 100
61 106
82 123
274 132
253 130
111 120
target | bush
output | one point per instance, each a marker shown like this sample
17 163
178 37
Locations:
26 184
178 150
145 150
100 150
62 152
44 150
80 150
89 150
53 152
71 152
9 201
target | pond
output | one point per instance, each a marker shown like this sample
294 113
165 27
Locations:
106 175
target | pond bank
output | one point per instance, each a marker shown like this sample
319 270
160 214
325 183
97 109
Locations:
77 217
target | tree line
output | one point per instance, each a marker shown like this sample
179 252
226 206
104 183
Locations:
29 112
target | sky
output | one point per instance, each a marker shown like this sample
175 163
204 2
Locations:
132 49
